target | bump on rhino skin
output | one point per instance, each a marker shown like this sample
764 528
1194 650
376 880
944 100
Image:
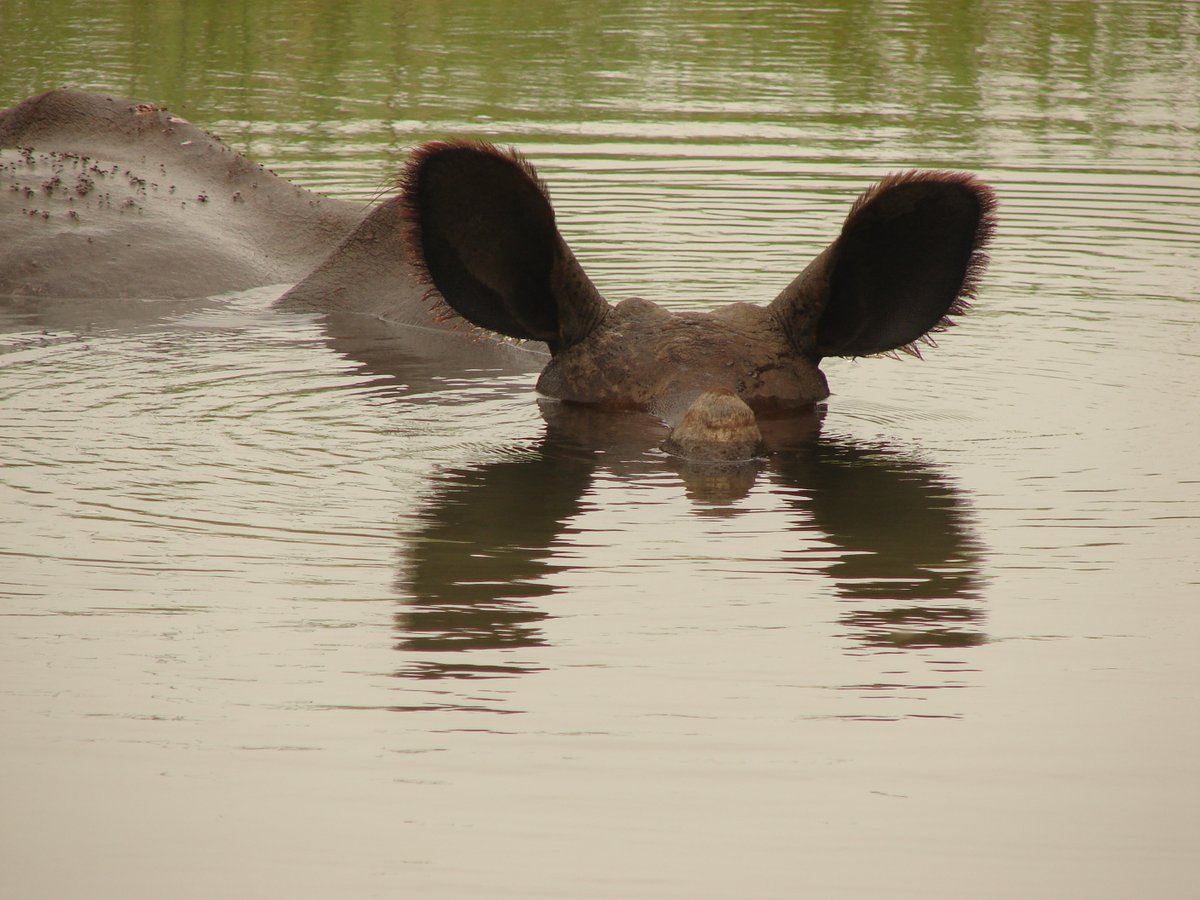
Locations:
718 427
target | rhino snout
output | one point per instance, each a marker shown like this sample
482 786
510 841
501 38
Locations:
717 427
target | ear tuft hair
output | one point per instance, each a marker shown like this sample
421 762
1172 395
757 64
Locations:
979 258
909 259
409 184
480 234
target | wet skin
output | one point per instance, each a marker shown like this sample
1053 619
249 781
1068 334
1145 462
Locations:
103 197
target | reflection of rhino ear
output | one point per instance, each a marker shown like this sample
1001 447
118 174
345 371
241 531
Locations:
909 257
481 231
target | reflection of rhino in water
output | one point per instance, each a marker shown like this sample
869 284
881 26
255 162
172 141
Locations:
487 545
102 197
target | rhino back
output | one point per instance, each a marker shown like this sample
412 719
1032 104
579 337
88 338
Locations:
102 196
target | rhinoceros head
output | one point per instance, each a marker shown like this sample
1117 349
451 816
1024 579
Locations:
480 230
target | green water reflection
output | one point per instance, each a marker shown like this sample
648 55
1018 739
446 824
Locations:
953 76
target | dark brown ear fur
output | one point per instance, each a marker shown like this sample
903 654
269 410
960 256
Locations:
480 229
909 257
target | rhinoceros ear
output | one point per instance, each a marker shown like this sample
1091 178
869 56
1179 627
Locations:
909 257
480 229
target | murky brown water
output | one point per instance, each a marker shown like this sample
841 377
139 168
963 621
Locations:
286 617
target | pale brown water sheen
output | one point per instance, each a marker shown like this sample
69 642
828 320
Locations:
286 619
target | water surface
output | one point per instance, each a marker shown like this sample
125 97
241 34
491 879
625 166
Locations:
291 616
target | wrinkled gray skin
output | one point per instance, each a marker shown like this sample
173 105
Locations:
103 197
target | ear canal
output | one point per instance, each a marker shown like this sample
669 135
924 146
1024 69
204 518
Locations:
909 257
480 230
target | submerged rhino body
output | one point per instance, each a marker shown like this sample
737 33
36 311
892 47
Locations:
105 197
